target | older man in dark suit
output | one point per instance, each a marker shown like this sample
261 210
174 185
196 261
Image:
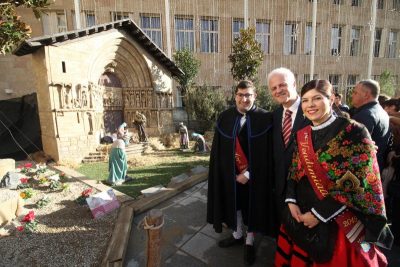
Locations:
287 120
370 113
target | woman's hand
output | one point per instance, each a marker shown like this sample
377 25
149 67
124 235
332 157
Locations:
309 220
295 211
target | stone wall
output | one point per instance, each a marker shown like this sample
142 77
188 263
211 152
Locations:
72 104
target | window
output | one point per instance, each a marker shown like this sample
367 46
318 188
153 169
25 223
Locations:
184 33
334 79
61 22
337 2
392 53
351 83
377 42
237 24
90 19
380 4
307 40
151 25
355 41
54 22
290 38
119 16
336 40
209 35
307 77
396 4
376 77
355 2
263 35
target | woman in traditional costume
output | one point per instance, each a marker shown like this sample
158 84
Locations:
336 213
117 164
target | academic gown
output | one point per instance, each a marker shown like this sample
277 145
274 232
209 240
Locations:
223 190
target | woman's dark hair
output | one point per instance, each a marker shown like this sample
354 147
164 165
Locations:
392 102
322 86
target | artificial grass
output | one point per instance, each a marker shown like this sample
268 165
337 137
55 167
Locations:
151 170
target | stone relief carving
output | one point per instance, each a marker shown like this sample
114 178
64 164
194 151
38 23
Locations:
78 97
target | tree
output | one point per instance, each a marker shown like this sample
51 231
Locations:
12 29
247 56
204 104
186 61
386 83
264 99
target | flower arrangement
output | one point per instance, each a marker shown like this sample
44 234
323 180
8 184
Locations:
42 202
30 223
25 168
55 185
81 200
27 193
24 183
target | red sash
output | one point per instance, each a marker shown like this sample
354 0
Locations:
317 176
240 157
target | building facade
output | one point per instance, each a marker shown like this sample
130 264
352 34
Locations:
207 27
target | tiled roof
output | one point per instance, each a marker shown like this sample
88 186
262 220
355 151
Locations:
130 27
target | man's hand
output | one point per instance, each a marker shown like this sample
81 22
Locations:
240 178
295 211
309 220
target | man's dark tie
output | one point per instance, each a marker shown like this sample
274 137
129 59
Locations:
287 126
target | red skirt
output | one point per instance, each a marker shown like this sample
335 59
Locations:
344 255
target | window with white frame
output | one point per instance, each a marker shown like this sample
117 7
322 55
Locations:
307 77
355 2
336 40
350 84
376 77
396 5
380 4
290 38
151 25
237 25
263 34
119 15
334 79
307 39
355 41
392 48
54 22
208 35
61 22
377 41
90 18
184 33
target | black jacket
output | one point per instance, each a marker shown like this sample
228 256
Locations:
375 118
222 185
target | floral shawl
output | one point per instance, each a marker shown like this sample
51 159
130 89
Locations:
350 161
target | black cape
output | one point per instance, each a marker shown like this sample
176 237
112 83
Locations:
222 185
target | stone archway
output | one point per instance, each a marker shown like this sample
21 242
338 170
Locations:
113 115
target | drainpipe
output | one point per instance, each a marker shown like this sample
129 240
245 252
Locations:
372 38
77 5
313 33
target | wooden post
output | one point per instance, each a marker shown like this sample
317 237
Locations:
153 224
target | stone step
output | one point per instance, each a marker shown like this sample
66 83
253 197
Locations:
86 160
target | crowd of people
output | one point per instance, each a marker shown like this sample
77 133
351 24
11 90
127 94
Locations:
318 176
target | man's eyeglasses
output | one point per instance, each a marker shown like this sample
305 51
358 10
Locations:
244 95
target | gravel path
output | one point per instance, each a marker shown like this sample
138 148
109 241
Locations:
66 234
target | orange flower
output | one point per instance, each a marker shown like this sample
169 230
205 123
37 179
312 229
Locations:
22 195
371 178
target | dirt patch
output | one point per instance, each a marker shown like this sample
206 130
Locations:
66 235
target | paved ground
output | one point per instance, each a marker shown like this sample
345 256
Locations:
188 241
